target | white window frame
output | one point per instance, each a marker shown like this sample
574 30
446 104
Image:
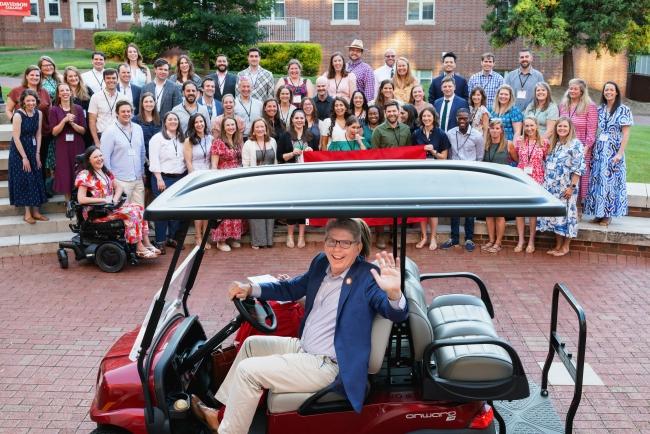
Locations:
33 18
272 19
124 18
345 21
420 20
424 75
52 18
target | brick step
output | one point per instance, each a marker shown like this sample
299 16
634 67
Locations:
626 235
53 206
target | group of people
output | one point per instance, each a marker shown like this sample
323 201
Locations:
150 128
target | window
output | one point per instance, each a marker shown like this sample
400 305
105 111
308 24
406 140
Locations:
52 10
277 12
33 9
124 10
345 12
425 76
420 11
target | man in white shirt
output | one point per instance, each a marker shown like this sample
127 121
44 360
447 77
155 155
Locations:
94 78
130 92
124 153
189 106
387 70
101 109
247 107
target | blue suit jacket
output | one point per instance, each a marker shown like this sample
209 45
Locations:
360 300
456 104
435 90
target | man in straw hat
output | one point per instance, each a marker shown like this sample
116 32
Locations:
363 71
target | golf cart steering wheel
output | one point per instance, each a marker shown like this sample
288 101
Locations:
258 313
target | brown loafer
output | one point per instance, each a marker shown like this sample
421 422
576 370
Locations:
208 416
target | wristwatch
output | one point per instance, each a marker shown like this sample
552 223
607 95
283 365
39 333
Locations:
573 185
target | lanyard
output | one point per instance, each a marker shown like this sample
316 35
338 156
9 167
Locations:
250 108
395 134
261 160
128 137
106 180
351 147
523 83
175 143
188 112
253 78
574 111
285 119
110 107
220 84
99 82
492 156
162 89
469 131
336 90
204 148
529 154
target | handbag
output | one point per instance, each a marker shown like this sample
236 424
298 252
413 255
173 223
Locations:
222 360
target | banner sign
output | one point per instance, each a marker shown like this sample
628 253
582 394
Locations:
20 8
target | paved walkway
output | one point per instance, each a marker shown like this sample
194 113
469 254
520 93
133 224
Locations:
57 324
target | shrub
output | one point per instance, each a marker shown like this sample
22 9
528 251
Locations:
112 44
276 55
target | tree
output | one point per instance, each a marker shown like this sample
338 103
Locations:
202 27
561 25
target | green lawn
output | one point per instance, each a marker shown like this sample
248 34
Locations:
638 155
13 64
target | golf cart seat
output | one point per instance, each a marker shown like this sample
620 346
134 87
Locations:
326 400
456 347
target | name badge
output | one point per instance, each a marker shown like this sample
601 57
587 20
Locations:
521 94
69 137
131 152
297 99
528 170
550 166
603 137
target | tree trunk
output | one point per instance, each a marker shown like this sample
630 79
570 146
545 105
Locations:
567 67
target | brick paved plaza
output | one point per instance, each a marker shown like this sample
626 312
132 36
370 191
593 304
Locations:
56 325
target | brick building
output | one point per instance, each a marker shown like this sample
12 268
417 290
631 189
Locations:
417 29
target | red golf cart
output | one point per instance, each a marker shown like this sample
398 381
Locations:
444 370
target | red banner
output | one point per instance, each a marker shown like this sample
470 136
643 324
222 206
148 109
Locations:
19 8
401 153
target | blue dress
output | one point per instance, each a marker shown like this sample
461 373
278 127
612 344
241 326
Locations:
26 188
607 194
561 164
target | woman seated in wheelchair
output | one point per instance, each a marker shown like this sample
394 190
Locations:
96 186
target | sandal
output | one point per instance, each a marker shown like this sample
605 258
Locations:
487 245
145 254
255 247
41 218
153 249
422 243
559 253
551 252
433 246
301 242
29 220
519 248
530 249
596 220
290 243
604 222
494 248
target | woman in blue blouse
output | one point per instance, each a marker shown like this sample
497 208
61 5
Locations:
504 108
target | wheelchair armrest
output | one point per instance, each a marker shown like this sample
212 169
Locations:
485 296
427 354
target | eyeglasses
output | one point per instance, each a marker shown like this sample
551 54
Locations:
388 55
345 244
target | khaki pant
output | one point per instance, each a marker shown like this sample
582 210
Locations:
275 363
134 190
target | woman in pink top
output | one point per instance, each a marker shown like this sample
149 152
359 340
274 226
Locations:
529 151
578 106
340 82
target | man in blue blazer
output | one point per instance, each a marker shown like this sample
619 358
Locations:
342 294
448 70
165 92
124 87
448 105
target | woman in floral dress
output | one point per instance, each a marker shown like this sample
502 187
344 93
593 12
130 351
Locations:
607 195
96 185
226 154
529 152
565 164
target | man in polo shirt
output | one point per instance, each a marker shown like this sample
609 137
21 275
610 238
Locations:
524 79
448 70
124 153
94 78
385 71
466 144
392 133
322 100
489 80
247 107
101 109
189 106
261 80
364 73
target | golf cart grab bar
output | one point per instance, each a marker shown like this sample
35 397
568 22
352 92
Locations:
485 296
557 346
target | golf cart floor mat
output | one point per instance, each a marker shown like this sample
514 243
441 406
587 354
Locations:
533 415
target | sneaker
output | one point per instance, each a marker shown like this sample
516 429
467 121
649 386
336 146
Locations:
448 244
469 245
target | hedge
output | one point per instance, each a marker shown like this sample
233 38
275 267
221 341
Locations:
276 55
112 44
